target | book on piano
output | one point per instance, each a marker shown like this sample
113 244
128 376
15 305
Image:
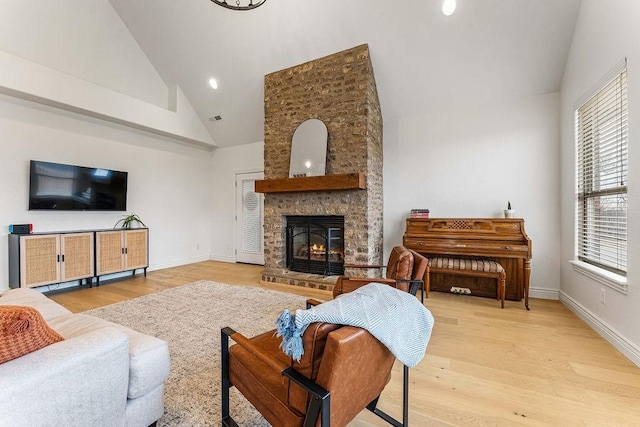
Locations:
419 213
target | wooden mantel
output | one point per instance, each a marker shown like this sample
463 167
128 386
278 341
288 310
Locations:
347 181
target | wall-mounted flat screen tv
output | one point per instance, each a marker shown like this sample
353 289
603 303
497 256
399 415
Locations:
54 186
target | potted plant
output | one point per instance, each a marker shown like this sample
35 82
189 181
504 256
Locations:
128 221
509 213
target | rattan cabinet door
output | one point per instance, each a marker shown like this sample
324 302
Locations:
110 252
77 261
136 254
39 260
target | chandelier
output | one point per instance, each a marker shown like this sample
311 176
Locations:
238 6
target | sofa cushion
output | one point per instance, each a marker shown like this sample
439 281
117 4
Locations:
22 331
31 298
148 356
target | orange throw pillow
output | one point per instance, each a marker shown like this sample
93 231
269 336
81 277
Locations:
22 331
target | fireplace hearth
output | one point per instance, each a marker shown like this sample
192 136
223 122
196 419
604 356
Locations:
315 244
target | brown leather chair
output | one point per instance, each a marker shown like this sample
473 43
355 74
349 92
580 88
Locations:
343 370
407 270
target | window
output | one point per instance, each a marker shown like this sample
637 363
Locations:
601 139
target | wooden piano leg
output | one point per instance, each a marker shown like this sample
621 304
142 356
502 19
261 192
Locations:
527 275
502 288
426 285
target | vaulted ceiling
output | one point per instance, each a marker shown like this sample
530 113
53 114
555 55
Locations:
489 51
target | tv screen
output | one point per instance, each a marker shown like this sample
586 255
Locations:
54 186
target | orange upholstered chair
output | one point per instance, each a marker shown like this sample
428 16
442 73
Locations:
406 270
342 371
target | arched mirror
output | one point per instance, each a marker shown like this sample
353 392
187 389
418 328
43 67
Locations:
309 149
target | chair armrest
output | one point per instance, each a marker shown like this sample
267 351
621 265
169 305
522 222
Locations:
364 266
365 280
415 284
256 351
304 382
319 408
347 284
311 302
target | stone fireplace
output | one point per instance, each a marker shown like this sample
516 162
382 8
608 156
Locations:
340 90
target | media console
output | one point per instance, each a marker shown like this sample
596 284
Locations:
40 259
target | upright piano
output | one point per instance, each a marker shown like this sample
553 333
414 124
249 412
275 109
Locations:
498 239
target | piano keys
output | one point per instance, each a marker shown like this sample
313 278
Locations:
498 239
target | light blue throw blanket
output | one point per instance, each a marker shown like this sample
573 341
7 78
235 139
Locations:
396 318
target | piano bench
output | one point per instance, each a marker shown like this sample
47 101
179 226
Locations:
472 267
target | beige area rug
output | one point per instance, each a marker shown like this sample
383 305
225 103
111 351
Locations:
189 318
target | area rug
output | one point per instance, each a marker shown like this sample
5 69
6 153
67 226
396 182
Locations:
189 318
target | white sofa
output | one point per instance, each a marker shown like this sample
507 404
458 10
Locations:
102 374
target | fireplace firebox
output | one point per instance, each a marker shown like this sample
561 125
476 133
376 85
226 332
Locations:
315 244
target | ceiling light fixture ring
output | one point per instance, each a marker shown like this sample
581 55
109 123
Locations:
238 6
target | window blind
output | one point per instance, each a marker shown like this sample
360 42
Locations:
602 163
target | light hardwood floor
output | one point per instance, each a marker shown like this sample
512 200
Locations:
484 366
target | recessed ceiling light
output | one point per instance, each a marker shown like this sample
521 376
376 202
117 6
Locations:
448 7
213 83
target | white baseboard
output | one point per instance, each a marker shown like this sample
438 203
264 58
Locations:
177 262
222 258
626 347
544 293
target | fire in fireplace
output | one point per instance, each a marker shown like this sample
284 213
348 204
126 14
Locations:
315 244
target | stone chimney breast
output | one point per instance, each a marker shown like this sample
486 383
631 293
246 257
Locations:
340 90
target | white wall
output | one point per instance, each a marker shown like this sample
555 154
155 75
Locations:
606 32
226 163
168 183
84 39
79 54
460 164
469 163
